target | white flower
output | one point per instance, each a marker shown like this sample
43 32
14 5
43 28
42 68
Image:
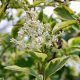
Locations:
50 43
34 29
20 44
39 39
13 40
54 38
21 33
31 14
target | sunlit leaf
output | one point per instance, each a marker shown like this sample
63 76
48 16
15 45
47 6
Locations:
16 27
25 70
62 25
41 56
2 10
64 12
54 65
34 73
75 57
17 68
74 42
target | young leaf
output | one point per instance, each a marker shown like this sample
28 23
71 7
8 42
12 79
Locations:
75 58
62 25
40 16
2 10
25 70
74 41
41 56
17 68
64 12
54 65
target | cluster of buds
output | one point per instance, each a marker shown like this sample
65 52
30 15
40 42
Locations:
33 29
37 33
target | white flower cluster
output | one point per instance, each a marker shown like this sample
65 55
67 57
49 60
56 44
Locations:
36 31
54 38
20 44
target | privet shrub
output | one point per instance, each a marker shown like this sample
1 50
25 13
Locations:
39 47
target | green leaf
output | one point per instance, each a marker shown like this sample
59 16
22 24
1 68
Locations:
74 42
75 58
25 70
62 25
17 68
17 5
51 19
2 10
45 18
40 16
16 27
64 13
34 73
24 61
37 2
74 45
41 56
19 12
54 65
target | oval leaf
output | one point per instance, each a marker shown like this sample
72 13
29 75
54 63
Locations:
62 25
17 68
64 12
54 65
74 41
25 70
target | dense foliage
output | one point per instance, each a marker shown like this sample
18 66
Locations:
39 47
